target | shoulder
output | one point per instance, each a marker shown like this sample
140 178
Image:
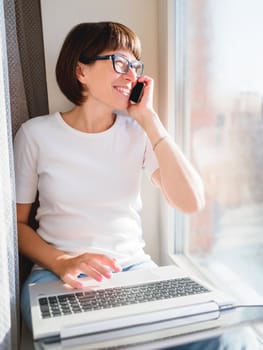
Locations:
37 126
35 129
36 123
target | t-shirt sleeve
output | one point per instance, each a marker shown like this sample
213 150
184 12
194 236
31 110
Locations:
25 159
150 163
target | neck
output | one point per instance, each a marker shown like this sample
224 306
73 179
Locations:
80 119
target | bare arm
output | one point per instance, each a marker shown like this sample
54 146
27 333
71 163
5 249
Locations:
179 181
67 267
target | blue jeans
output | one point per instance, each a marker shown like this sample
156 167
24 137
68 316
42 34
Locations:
230 341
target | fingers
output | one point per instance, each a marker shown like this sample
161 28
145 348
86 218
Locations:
96 266
146 80
96 271
72 281
146 103
111 262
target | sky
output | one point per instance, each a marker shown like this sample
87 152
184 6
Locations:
237 46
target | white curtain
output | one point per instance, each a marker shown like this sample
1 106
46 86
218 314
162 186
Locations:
9 314
23 94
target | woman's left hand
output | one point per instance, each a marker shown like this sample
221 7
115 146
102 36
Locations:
143 111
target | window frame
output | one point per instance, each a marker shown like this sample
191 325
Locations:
172 104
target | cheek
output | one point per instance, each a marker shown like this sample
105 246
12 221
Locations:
99 84
98 89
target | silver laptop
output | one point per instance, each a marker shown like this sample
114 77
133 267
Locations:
147 297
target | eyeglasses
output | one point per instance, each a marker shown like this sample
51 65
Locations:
120 63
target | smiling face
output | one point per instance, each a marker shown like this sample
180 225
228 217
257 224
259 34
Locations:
103 85
89 40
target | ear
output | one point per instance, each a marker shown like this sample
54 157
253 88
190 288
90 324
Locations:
81 72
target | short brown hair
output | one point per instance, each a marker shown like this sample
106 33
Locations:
90 39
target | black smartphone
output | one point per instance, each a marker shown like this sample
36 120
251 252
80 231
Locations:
137 92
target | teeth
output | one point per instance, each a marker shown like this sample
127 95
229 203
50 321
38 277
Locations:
123 90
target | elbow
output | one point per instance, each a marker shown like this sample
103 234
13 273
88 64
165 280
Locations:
190 202
196 198
189 206
197 204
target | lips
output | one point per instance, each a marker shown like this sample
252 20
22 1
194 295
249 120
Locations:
123 90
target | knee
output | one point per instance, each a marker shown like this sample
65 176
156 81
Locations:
25 306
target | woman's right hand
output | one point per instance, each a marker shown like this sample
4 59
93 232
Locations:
93 265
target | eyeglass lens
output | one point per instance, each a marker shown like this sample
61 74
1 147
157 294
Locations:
122 64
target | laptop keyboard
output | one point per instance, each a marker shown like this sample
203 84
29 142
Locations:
71 303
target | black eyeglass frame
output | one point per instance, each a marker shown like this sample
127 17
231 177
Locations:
131 64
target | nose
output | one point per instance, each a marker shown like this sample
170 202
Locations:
131 74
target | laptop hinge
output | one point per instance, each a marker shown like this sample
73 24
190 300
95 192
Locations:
54 339
207 311
207 319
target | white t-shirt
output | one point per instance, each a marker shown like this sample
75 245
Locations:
89 184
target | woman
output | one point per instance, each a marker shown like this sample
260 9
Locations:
87 163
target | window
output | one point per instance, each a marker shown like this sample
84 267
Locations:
219 117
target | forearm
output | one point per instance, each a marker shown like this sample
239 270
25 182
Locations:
37 250
179 181
67 267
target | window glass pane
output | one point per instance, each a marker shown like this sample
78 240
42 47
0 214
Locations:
223 89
